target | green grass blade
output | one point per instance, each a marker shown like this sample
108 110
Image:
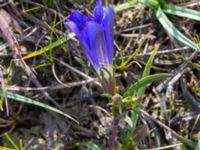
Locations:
89 145
124 63
3 85
5 148
147 69
171 29
198 144
23 99
12 142
47 48
50 56
182 11
193 64
154 4
141 91
165 147
144 81
124 6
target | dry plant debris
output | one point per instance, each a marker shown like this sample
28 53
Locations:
62 78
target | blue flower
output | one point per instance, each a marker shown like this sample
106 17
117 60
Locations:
95 34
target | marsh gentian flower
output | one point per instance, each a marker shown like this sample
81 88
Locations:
95 34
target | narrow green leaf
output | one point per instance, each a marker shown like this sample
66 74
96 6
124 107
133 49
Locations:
50 56
126 5
165 147
171 29
42 65
12 142
134 118
47 48
141 43
193 64
182 11
23 99
144 81
147 69
90 145
5 148
153 4
198 144
4 84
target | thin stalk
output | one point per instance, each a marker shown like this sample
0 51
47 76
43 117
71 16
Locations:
116 117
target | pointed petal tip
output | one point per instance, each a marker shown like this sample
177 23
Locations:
98 11
78 18
110 11
73 28
98 3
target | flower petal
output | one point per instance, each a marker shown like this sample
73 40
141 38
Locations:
108 24
101 49
79 19
73 27
94 44
98 11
